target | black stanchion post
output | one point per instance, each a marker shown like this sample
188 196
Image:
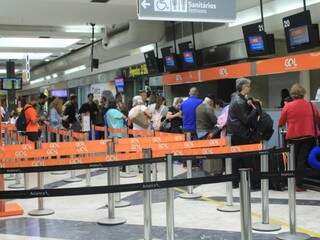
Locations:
189 194
245 204
293 234
41 211
229 206
265 226
170 199
111 219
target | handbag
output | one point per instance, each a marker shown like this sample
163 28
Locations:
140 119
313 160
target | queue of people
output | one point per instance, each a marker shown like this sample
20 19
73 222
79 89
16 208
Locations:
243 119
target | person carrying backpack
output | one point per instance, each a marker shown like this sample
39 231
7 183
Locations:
28 121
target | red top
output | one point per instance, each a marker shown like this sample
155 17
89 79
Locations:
299 119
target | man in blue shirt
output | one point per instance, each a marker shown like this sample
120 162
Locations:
188 109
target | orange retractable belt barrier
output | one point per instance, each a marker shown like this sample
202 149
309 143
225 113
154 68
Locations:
149 140
170 145
32 158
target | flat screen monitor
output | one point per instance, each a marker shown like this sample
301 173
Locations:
170 63
7 84
60 93
17 83
299 35
256 43
119 83
152 62
11 83
188 57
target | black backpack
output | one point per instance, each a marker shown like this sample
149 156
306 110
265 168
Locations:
21 123
265 126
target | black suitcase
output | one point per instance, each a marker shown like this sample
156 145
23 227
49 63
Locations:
277 163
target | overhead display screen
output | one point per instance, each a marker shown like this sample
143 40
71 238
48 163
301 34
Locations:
299 35
256 43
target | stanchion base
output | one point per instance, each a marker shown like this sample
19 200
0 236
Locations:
59 173
12 209
290 236
127 174
10 178
73 179
112 221
121 204
41 212
190 195
16 186
265 227
226 208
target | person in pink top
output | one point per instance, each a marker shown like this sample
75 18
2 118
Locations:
303 120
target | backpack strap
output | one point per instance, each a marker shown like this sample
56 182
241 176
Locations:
314 124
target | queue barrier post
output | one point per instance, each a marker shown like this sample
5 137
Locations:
7 141
147 201
293 234
190 194
265 226
170 199
18 184
111 219
128 173
41 211
118 202
229 206
245 204
57 139
88 171
73 178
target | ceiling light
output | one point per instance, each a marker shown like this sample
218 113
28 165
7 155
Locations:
48 77
47 60
4 71
37 42
76 69
22 55
82 29
54 75
37 81
146 48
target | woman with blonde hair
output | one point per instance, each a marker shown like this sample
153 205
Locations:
302 119
55 111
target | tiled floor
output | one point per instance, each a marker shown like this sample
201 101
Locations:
76 217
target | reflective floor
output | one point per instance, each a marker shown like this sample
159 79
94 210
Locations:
76 217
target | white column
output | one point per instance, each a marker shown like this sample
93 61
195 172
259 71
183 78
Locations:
304 80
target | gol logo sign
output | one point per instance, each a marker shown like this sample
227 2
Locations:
178 78
290 63
223 72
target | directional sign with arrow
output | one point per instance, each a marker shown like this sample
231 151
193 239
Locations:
187 10
145 4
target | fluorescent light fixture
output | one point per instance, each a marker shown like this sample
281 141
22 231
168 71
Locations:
4 71
54 75
37 81
22 55
48 77
270 9
37 42
76 69
146 48
47 60
82 29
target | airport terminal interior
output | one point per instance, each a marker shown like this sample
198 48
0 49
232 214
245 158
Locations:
159 119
